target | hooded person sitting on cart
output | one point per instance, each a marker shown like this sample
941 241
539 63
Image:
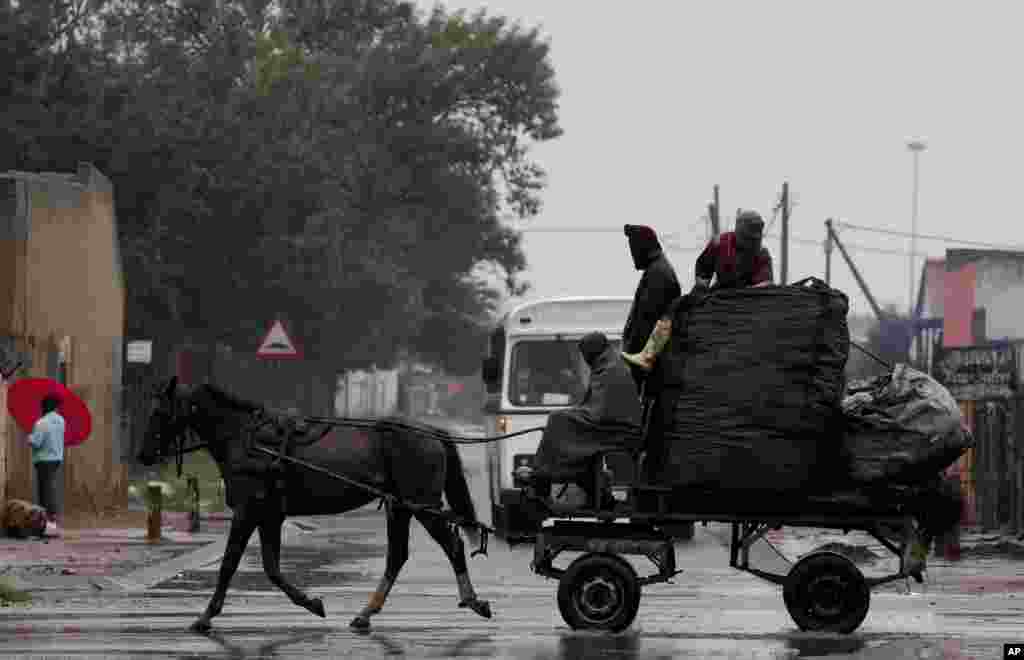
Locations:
607 418
732 260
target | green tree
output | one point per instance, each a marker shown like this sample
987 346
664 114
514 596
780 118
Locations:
342 162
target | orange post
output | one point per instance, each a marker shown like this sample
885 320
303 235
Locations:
154 518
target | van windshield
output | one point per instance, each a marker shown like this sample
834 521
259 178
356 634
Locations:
549 372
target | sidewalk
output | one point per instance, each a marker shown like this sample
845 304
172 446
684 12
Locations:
104 558
114 555
977 543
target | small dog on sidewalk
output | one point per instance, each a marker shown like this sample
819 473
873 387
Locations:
23 519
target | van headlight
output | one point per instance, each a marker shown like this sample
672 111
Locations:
503 424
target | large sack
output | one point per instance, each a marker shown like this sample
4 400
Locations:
762 380
901 428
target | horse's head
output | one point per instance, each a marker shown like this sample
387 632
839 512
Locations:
167 422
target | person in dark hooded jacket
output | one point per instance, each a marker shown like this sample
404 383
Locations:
607 418
658 287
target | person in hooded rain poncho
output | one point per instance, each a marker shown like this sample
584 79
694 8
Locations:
657 288
607 418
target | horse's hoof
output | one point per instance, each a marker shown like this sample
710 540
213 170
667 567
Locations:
200 626
360 623
481 607
316 606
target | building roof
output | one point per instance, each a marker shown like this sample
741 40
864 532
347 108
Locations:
87 177
957 258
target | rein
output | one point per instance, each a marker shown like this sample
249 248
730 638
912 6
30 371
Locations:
183 433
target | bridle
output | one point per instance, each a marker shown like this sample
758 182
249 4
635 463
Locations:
184 436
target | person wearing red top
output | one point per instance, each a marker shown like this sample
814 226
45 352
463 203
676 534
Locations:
737 259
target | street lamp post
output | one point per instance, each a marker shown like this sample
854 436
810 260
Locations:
915 147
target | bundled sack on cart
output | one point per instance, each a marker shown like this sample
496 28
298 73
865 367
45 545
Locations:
762 378
902 428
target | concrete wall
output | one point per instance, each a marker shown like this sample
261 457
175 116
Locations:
66 305
1000 292
997 284
366 393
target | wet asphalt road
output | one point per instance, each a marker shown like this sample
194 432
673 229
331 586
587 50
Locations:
968 610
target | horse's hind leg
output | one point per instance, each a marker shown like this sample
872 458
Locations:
270 548
242 526
398 553
448 538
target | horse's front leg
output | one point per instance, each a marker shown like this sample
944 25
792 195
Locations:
398 554
448 538
270 547
242 526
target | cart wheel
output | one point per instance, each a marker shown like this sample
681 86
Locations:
599 592
825 592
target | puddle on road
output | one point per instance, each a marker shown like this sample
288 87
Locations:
249 639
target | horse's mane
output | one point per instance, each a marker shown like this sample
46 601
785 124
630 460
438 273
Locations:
230 399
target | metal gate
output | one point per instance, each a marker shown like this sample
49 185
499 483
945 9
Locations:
995 462
136 406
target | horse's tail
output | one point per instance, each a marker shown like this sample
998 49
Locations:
456 488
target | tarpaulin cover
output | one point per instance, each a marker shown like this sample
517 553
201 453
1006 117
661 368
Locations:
901 428
762 381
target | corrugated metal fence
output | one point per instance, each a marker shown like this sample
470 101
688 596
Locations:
992 473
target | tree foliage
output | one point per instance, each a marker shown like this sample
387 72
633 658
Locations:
343 163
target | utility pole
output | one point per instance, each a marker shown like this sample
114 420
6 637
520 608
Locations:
784 271
915 147
828 252
856 274
713 215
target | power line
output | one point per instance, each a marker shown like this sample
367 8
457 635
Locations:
853 247
944 239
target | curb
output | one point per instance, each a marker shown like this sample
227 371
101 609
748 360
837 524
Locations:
146 578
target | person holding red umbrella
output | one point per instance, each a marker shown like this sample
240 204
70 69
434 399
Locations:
65 422
47 440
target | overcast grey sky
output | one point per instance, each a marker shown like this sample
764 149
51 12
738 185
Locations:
662 100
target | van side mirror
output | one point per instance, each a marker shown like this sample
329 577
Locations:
491 370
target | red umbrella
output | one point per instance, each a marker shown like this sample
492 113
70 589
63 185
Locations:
25 398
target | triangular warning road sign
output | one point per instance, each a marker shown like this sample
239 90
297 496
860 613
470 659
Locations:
278 344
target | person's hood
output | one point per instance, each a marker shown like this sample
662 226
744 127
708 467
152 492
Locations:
749 231
643 245
592 346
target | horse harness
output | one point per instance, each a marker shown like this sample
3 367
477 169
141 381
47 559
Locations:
290 429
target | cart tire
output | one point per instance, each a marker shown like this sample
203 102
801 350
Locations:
826 592
599 592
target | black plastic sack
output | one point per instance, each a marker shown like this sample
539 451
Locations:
901 428
762 374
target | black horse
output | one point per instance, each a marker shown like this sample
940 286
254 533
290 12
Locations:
414 467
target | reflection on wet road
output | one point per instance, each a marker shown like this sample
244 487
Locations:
968 610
